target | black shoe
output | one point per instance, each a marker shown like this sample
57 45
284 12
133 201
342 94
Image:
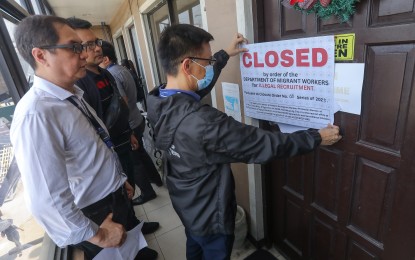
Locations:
158 182
146 253
156 179
149 227
143 199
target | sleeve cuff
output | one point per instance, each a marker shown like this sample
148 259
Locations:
316 135
222 56
92 231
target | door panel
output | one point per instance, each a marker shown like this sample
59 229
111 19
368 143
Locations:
353 200
293 24
389 81
372 199
384 13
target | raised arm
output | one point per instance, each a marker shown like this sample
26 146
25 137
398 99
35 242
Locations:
234 47
222 58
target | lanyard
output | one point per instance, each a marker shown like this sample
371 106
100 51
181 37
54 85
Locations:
98 128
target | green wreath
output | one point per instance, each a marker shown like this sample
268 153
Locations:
342 9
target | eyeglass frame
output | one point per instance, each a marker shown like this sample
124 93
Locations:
65 46
91 45
211 60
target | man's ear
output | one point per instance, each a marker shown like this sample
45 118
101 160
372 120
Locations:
39 55
186 66
106 60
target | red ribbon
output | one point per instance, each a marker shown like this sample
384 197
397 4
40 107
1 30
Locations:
293 2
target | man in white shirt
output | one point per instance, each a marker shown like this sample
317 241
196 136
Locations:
74 185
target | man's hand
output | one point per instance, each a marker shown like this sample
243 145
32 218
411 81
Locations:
329 135
110 234
233 48
134 142
129 189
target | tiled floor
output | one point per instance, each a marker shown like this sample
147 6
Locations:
169 240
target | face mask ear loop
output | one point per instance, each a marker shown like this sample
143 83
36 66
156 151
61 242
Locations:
197 80
198 64
207 79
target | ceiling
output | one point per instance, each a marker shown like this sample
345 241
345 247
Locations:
94 11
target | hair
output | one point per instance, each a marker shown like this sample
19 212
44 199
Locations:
179 41
109 51
35 31
77 23
125 63
129 64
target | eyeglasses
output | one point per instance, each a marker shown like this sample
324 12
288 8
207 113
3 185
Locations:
211 60
92 45
75 47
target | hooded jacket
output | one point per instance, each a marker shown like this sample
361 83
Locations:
200 142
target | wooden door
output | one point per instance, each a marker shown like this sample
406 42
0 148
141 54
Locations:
356 199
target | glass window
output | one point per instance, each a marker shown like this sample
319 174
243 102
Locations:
36 7
185 11
188 11
26 67
22 4
163 25
4 91
158 19
48 11
22 235
197 16
184 17
121 47
137 56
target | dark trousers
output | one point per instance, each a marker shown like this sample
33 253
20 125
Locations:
123 213
145 171
218 247
127 164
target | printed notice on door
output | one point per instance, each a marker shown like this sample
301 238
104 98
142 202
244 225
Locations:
290 81
231 100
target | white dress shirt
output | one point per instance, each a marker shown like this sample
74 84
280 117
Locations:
64 164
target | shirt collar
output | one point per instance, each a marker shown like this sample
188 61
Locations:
169 92
55 90
109 66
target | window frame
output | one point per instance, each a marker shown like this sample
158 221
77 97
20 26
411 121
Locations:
12 11
10 65
27 5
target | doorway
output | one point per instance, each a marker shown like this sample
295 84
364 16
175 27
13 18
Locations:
354 200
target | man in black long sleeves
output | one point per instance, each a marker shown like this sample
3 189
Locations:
200 142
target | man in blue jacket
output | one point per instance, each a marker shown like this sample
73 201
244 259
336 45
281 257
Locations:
200 141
